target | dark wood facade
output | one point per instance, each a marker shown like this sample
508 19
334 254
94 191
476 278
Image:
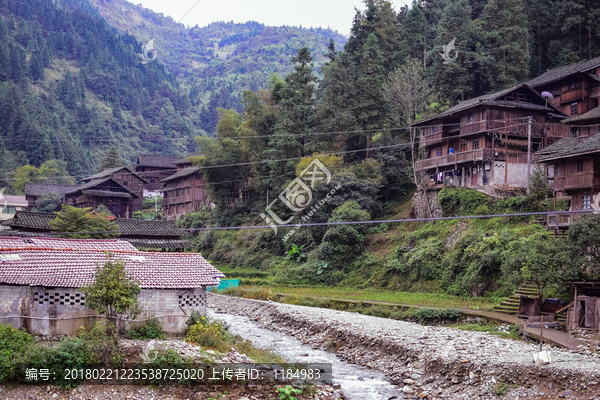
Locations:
184 192
108 192
127 179
154 169
482 142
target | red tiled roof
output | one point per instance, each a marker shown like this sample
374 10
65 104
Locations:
72 263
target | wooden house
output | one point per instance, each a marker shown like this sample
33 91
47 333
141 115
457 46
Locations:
117 198
154 169
33 191
185 191
10 204
482 143
576 90
126 178
585 311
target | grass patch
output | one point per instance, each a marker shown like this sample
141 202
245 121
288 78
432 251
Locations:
408 298
490 327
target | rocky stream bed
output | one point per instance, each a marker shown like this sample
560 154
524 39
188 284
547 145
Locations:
429 362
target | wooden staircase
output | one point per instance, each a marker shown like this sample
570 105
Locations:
511 305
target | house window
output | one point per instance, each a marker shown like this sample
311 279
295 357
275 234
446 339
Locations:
483 116
125 183
574 132
578 166
586 201
151 180
572 85
574 108
463 146
557 170
470 119
438 152
595 102
476 144
435 129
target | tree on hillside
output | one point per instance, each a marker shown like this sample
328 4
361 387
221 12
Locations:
111 160
507 39
71 221
584 234
55 172
24 175
408 93
113 293
413 33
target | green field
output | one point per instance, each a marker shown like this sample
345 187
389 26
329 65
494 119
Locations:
418 299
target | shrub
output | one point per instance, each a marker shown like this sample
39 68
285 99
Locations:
460 201
150 329
425 315
12 342
209 333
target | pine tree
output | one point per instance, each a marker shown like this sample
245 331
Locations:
111 160
413 34
506 36
36 66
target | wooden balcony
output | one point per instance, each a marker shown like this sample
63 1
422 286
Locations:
579 181
456 158
571 95
177 199
473 128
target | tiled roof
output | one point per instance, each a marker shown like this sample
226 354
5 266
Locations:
557 147
93 183
160 243
565 148
127 227
72 244
75 267
145 160
36 189
184 160
593 114
108 173
106 193
493 99
185 172
563 72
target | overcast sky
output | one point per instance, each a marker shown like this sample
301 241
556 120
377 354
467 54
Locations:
335 14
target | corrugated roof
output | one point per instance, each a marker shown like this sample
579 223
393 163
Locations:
109 172
37 189
13 200
568 149
146 160
564 72
127 227
75 267
185 172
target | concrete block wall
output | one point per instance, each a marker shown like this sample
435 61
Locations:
62 311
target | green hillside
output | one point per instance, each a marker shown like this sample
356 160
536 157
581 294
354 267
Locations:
217 62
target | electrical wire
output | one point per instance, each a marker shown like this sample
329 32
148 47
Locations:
388 221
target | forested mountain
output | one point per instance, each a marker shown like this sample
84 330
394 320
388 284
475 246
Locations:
72 86
217 62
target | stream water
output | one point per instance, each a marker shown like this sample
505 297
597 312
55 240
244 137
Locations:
357 383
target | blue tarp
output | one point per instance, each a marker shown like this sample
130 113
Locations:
225 283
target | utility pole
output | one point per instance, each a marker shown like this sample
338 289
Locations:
529 121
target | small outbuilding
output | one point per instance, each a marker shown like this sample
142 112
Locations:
40 281
584 314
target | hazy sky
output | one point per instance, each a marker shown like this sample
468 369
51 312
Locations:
335 14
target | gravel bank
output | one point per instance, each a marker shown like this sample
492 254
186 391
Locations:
429 362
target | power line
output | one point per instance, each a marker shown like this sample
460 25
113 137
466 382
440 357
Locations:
388 221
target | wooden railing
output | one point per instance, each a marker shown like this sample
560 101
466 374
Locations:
571 95
177 199
456 158
576 181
